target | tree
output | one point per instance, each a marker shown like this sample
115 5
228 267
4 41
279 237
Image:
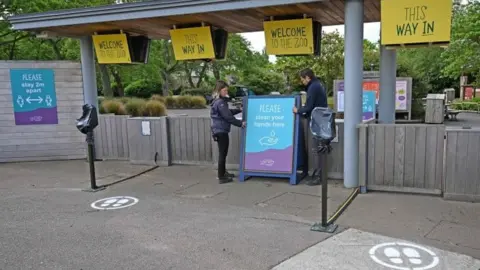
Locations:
463 54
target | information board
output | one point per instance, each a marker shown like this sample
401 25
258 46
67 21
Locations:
192 43
270 138
289 37
369 105
112 49
402 91
415 21
34 96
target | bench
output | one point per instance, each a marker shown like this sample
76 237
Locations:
453 114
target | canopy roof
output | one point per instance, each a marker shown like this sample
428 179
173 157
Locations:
155 18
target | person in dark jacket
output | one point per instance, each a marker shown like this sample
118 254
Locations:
316 97
222 118
316 93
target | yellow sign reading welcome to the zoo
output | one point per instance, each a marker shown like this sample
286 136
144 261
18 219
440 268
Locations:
112 49
415 21
289 37
192 43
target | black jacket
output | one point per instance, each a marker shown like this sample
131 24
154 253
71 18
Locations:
222 117
316 97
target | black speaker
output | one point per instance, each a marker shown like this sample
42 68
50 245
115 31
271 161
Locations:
220 41
139 47
317 38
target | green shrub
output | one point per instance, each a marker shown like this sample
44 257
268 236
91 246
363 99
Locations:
113 106
196 92
476 99
158 98
418 110
198 102
171 102
135 107
143 89
184 102
155 108
124 100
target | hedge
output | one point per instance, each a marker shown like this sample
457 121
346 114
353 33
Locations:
143 89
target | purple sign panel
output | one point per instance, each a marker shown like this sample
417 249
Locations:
34 96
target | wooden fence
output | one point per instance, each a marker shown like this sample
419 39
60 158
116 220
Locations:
413 158
190 139
462 165
111 138
183 140
403 158
153 148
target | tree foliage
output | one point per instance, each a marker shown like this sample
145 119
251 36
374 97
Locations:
432 68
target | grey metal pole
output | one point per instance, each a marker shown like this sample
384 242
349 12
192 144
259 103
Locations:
90 95
353 88
388 73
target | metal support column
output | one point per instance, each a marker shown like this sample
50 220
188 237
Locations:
388 74
88 71
90 95
353 88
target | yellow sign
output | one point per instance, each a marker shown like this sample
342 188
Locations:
192 43
112 49
289 37
416 21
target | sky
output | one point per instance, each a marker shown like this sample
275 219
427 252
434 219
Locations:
371 31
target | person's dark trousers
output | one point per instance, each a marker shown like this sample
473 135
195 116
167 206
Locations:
223 142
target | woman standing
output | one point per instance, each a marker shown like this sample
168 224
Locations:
222 118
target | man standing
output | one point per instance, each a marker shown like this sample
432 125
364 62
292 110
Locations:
316 97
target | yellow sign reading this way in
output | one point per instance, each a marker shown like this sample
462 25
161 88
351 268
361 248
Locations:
289 37
416 21
192 43
112 49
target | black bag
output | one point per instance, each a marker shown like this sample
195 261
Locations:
322 125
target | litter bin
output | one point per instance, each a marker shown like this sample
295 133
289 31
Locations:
435 109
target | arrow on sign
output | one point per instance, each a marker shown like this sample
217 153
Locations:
39 99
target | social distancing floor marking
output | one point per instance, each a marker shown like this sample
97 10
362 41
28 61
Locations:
113 203
404 256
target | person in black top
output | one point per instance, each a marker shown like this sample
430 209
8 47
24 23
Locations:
222 118
316 97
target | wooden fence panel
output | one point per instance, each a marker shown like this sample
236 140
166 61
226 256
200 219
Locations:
111 137
191 140
149 149
406 158
462 165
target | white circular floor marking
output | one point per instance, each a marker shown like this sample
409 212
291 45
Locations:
113 203
404 256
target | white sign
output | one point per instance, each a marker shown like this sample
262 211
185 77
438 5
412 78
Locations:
404 256
113 203
146 128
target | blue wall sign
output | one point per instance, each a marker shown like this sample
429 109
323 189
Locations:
269 143
369 105
34 96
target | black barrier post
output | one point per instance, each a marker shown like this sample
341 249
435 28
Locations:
86 124
91 161
323 151
323 128
324 162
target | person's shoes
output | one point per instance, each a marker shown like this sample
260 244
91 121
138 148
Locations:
224 180
231 175
314 182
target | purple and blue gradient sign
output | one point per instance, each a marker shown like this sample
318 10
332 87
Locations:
270 134
34 96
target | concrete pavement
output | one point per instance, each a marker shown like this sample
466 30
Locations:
185 220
